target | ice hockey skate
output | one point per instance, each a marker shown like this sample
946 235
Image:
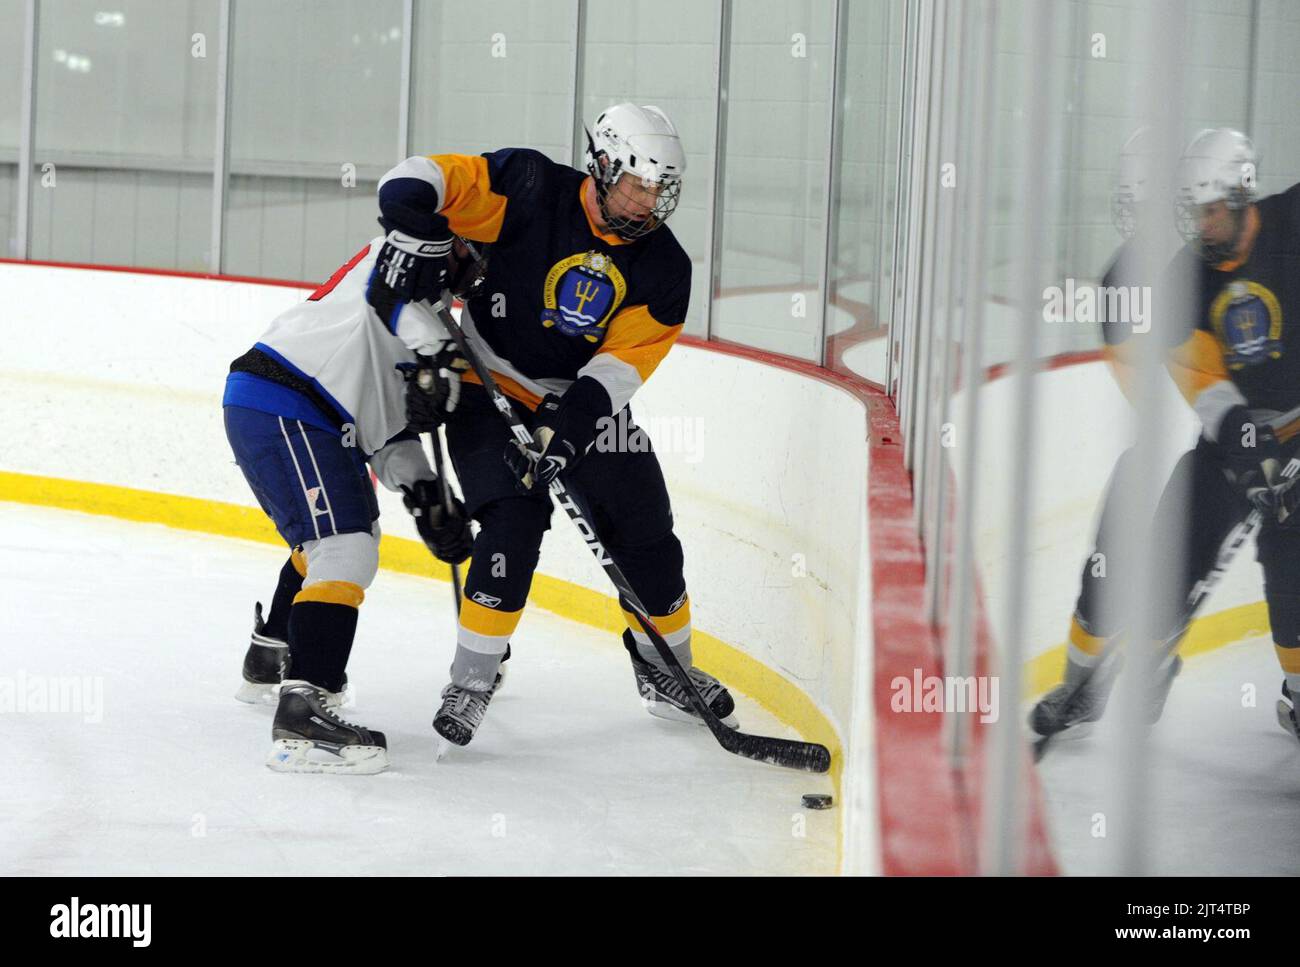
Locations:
1082 701
263 663
461 713
309 737
264 667
1286 714
664 697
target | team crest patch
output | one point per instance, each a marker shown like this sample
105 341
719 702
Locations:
1248 321
582 294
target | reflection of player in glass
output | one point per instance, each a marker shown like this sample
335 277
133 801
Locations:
1238 370
1090 664
1241 372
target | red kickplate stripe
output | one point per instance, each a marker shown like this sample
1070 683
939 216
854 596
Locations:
920 811
929 811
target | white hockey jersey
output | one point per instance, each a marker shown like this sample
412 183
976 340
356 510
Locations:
334 353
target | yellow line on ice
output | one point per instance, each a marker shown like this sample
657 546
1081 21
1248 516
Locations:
1206 634
776 693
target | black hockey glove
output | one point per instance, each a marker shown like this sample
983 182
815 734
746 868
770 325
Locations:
1257 462
432 388
1278 501
446 535
1246 441
408 269
565 427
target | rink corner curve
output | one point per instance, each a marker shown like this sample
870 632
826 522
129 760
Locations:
836 496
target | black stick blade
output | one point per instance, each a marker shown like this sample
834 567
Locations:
787 753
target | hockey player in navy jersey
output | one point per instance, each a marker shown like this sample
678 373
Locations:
585 293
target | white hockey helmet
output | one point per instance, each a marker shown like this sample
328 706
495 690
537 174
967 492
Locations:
1220 164
636 140
1132 186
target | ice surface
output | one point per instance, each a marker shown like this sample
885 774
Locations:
567 775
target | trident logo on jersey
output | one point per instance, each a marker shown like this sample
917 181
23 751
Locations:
582 294
1248 321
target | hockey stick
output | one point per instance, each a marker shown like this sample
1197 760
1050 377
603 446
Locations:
792 754
436 443
1196 597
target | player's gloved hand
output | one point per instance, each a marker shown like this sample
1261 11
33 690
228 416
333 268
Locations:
433 388
447 535
408 269
536 467
1276 494
1247 444
565 427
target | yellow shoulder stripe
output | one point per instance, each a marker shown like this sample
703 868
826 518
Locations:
471 207
639 339
1197 364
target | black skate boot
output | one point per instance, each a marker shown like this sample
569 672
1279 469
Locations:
308 737
462 712
1286 713
664 697
263 663
1080 699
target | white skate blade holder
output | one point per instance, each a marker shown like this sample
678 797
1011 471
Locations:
671 713
304 756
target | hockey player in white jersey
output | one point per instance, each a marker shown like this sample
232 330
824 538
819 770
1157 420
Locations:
268 646
318 402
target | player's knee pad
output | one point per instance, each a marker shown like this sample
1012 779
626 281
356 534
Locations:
338 560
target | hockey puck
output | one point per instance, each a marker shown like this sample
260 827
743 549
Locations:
817 800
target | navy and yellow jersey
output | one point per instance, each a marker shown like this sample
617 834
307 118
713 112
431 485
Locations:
1245 349
561 303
